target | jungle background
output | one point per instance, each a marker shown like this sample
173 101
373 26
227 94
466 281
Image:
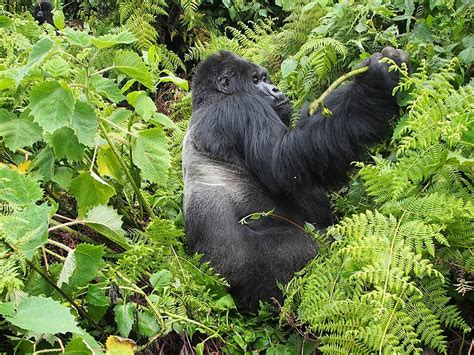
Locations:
93 112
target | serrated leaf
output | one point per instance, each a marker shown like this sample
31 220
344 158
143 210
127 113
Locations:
97 302
150 153
142 103
19 132
81 265
58 67
43 164
124 318
160 279
109 40
77 346
39 51
90 190
171 78
17 189
84 123
27 230
65 144
77 38
51 105
43 315
129 63
119 346
147 324
108 222
225 302
107 88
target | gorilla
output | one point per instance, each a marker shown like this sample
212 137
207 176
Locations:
240 157
43 12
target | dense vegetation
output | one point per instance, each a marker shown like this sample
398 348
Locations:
92 117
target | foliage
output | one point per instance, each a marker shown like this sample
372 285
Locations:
92 252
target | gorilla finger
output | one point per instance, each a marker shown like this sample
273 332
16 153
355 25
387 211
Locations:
390 52
404 58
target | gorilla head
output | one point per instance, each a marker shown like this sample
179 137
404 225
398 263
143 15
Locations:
240 157
43 12
227 74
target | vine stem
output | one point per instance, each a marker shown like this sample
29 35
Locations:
319 102
139 194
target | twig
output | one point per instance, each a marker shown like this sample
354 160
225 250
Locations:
319 103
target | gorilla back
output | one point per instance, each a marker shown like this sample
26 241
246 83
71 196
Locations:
241 157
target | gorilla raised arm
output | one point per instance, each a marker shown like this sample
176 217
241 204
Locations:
241 157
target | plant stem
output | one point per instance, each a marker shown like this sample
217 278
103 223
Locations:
319 102
139 194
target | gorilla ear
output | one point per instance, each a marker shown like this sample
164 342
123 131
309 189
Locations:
223 83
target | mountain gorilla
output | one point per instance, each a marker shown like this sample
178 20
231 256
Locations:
241 157
43 12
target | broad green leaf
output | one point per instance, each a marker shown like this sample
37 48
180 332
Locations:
142 103
108 164
124 318
181 83
107 88
58 67
160 279
160 119
147 324
225 302
97 302
19 132
467 55
7 309
288 66
84 123
132 65
27 230
63 176
17 189
43 164
124 37
6 83
120 115
150 153
77 38
39 51
77 346
90 190
51 105
65 144
107 221
58 19
82 265
43 315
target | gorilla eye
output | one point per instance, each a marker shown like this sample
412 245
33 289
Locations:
255 79
264 78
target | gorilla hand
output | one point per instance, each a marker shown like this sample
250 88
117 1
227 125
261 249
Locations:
378 75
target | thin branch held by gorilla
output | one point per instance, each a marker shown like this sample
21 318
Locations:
241 157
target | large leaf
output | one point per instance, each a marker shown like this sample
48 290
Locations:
18 132
131 64
82 265
27 230
17 189
150 153
124 318
107 221
51 105
107 88
39 51
108 164
90 190
65 144
142 103
84 123
77 38
43 164
109 40
41 315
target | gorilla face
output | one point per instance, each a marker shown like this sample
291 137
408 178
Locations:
227 74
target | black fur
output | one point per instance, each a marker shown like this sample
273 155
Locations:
43 12
241 157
